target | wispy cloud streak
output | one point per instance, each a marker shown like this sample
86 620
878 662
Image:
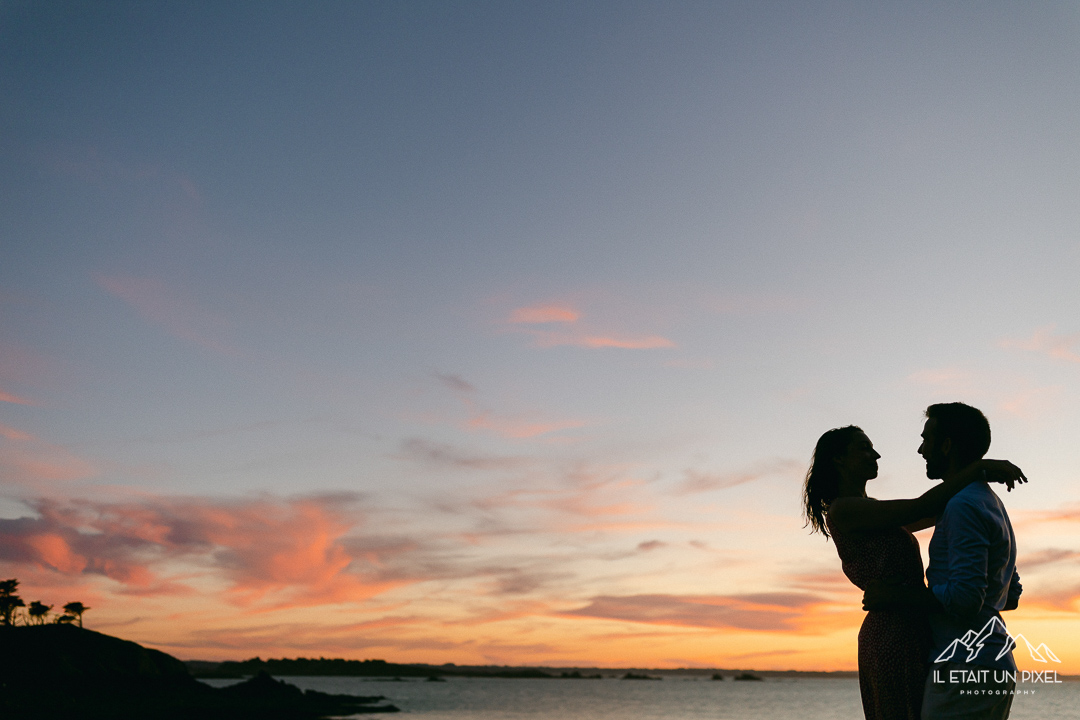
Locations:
1045 341
15 399
533 320
163 306
480 418
776 612
698 482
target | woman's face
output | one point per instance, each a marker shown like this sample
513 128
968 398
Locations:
860 460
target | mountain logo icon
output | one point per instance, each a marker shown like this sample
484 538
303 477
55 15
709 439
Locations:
973 642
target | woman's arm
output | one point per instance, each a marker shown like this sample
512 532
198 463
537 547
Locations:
848 514
921 524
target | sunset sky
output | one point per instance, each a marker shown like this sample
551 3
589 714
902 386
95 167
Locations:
503 332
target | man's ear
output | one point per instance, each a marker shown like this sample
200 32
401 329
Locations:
946 446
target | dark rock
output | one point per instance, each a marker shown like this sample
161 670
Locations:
747 676
51 672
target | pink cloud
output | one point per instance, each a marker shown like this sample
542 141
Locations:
587 501
1066 513
576 336
23 365
625 342
446 456
1043 340
1048 556
9 398
770 612
540 314
520 429
11 433
510 427
944 379
697 482
26 460
1032 403
163 306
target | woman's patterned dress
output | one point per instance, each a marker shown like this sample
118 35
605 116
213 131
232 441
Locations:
894 645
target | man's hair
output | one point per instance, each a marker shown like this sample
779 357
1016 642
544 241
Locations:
965 425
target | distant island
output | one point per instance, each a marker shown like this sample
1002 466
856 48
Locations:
337 667
61 671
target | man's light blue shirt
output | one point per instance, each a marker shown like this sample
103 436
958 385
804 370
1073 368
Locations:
972 572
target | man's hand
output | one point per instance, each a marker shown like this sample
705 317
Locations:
889 593
1002 471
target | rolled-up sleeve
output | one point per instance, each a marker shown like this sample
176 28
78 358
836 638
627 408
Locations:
964 592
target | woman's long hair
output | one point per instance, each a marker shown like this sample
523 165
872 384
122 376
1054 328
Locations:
823 479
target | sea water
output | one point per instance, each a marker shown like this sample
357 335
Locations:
673 698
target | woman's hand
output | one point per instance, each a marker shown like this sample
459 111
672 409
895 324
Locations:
1002 471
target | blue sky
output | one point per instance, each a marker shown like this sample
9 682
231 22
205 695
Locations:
511 311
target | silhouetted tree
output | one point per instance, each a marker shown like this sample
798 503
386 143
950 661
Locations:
38 611
76 609
9 601
64 619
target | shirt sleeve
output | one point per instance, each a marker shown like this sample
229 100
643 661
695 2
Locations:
963 592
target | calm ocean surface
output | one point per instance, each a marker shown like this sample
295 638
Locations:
667 699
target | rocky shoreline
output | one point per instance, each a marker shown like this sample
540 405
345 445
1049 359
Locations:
62 671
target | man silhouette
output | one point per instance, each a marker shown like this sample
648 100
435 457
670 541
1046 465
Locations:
970 579
972 574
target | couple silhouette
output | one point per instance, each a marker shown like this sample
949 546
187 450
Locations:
971 577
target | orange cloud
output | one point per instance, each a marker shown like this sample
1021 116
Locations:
51 550
163 306
1043 340
540 314
291 551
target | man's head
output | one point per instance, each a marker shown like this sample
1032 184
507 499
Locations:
955 435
